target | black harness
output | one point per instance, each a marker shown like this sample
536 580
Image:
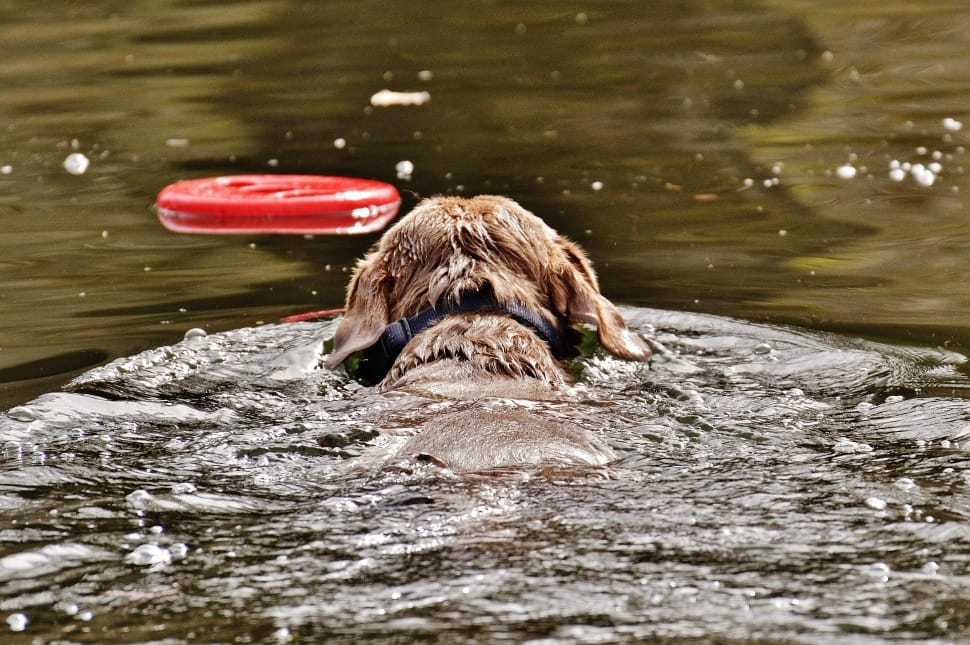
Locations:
379 357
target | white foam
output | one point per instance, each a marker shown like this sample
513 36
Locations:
952 124
387 98
846 172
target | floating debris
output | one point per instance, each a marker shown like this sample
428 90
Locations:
387 98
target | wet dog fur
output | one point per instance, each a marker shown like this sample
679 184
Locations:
450 246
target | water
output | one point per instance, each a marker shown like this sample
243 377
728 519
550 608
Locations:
798 492
800 483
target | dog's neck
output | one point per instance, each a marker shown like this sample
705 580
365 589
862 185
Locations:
379 357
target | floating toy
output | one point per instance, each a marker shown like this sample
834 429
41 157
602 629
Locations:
280 204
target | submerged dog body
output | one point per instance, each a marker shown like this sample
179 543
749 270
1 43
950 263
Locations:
470 299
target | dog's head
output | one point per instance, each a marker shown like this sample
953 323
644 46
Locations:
449 246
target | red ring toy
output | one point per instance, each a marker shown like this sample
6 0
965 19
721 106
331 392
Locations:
282 204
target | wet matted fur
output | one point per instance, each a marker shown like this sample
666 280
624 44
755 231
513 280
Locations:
448 247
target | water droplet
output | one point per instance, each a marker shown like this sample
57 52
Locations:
762 348
876 503
846 172
17 622
952 124
905 483
404 170
195 332
138 499
923 176
149 555
76 163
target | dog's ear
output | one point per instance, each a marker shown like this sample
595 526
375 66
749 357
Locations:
367 313
576 296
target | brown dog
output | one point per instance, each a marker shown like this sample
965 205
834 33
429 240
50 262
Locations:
476 299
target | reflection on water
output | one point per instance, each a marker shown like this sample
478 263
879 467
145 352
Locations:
726 157
693 149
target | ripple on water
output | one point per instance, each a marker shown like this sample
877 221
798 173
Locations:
753 493
48 559
199 503
149 555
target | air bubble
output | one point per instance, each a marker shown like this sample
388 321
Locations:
76 163
952 124
404 170
846 172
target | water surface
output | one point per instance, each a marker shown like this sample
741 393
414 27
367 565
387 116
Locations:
771 484
735 160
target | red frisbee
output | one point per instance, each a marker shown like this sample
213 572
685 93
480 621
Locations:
296 204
